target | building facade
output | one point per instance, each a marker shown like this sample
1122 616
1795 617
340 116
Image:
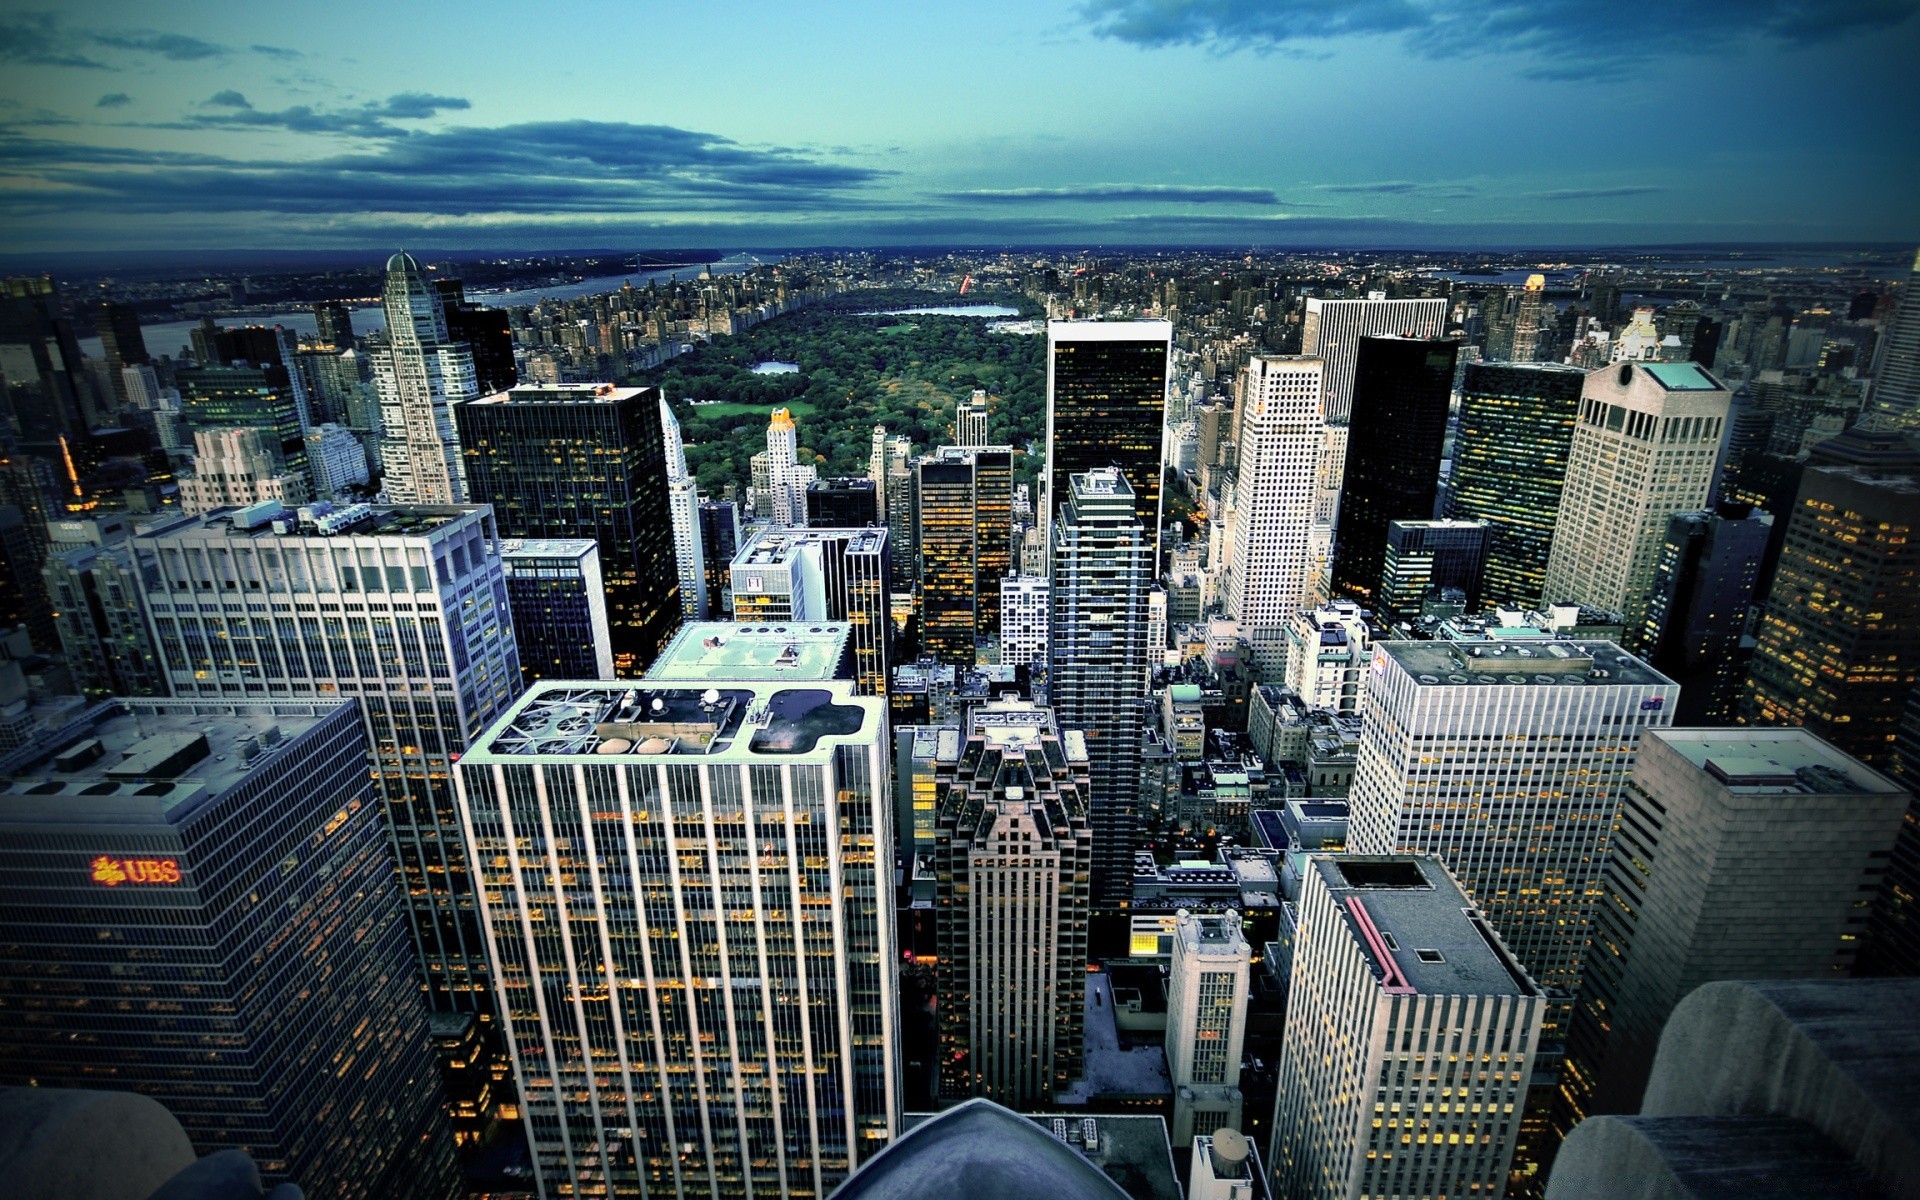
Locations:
1207 984
1107 408
1272 567
586 460
1427 560
1012 857
1704 590
1410 1038
683 502
795 575
1025 620
963 498
723 1024
403 608
1644 448
239 467
421 373
199 907
559 608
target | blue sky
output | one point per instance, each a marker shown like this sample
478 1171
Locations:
1278 122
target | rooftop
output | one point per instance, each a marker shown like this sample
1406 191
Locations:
730 720
1421 931
1682 377
1504 662
1774 761
1110 331
722 651
561 393
772 546
271 519
979 1149
145 761
512 549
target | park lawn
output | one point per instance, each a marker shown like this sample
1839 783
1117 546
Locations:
732 408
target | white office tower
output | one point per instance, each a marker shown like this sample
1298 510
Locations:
143 386
1270 558
1331 330
1206 1021
420 375
782 496
683 502
686 900
1024 618
402 608
1328 652
1102 563
1410 1038
337 459
1644 448
970 420
1507 761
239 467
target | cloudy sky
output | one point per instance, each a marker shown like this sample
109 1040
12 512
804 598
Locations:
1277 122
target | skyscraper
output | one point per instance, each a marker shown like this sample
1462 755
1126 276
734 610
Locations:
247 397
1207 983
1506 761
683 501
1102 564
970 420
1107 408
199 906
1839 634
725 1024
891 470
333 324
1704 587
90 575
1269 573
1526 319
1896 380
121 343
963 500
1427 559
1012 856
1025 620
786 478
586 460
1401 391
559 608
844 502
240 467
1510 466
403 608
719 542
1643 449
40 360
1713 820
421 373
795 575
1410 1038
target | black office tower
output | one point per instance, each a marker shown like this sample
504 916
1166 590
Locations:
1107 407
1429 560
1509 466
334 324
1398 432
121 343
844 502
585 460
486 332
719 542
1704 584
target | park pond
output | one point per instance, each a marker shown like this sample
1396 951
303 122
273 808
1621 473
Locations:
950 310
774 367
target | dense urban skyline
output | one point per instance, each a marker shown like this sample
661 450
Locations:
1116 121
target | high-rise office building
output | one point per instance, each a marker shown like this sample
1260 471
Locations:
1644 448
23 591
719 542
963 500
1895 396
585 460
845 502
403 608
91 581
1012 855
1713 821
559 608
890 468
725 1024
683 501
1527 318
1097 658
1401 391
1270 575
41 362
1410 1038
246 397
1506 761
238 467
1704 586
1207 982
782 496
1839 633
485 332
337 460
1509 467
1428 560
1107 408
333 324
121 343
421 373
199 907
1025 619
795 575
970 420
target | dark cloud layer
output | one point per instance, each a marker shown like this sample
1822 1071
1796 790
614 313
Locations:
41 39
1107 193
1558 38
557 167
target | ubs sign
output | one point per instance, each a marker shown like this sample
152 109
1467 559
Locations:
113 872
